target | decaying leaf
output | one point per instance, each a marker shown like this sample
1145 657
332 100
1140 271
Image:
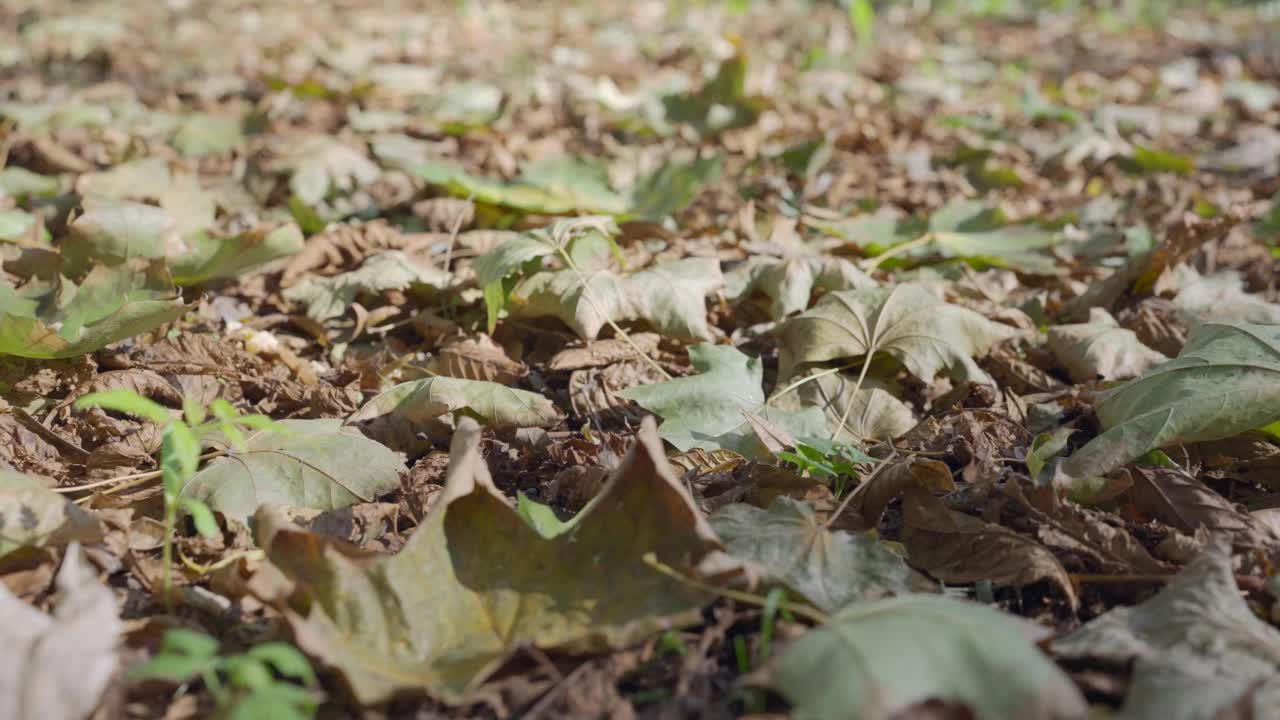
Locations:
408 415
476 582
830 569
310 463
874 660
33 515
1101 349
58 666
1197 647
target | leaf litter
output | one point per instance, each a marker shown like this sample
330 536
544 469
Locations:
713 359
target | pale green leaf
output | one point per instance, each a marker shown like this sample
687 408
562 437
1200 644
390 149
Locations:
829 569
330 297
313 464
1226 381
1197 647
925 334
671 298
875 660
706 410
1101 350
401 416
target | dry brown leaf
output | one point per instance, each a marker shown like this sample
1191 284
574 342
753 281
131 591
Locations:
477 357
1098 539
872 497
957 548
1187 504
599 353
346 246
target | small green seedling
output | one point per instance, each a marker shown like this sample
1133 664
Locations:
180 455
835 462
263 682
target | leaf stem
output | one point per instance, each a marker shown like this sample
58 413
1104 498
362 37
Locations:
873 263
807 378
586 293
744 597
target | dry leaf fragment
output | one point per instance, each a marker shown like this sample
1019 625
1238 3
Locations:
58 666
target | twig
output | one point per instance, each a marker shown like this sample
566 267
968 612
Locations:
124 482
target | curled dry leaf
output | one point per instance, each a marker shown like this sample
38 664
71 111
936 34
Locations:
599 353
1187 504
476 582
894 480
477 357
1096 539
58 666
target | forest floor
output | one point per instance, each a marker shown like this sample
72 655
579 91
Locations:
639 359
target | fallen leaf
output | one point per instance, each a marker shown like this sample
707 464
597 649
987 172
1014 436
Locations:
908 322
705 410
330 297
492 583
875 660
112 303
58 666
319 164
1223 383
960 549
206 258
315 464
1196 646
830 569
1187 504
400 416
32 515
671 298
1101 349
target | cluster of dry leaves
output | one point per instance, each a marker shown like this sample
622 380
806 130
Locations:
660 359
